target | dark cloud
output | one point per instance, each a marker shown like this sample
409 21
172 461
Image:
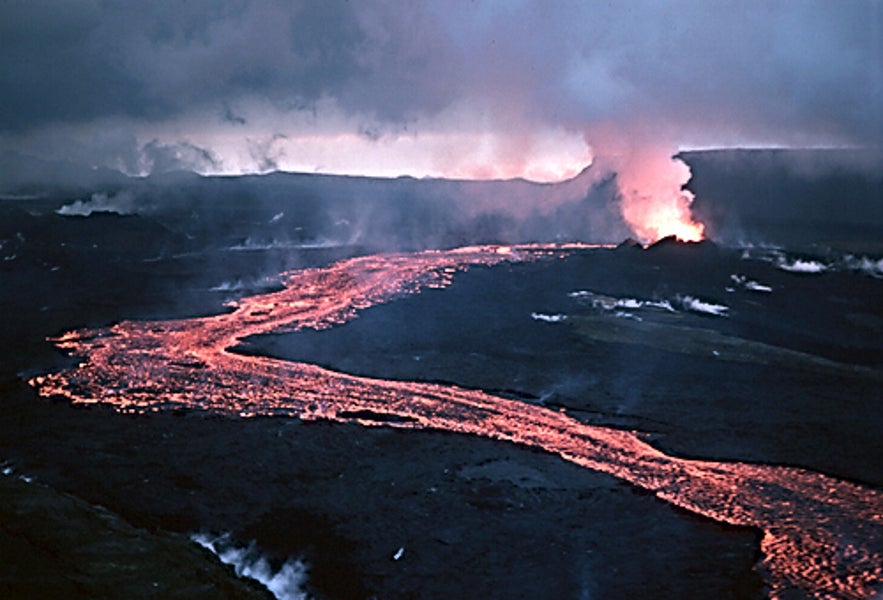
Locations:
56 64
693 72
152 60
776 69
230 116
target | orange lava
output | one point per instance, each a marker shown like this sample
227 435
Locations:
821 536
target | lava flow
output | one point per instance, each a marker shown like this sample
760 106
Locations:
821 536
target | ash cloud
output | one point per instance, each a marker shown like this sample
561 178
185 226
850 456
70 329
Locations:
758 69
454 89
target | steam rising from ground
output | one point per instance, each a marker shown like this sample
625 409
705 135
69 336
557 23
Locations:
122 204
701 306
648 201
831 262
556 318
802 266
285 582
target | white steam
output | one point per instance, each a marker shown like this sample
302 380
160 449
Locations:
229 286
621 307
285 583
801 266
122 203
833 261
750 284
864 264
557 318
7 469
609 303
251 245
700 306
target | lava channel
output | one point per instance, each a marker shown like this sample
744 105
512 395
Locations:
822 537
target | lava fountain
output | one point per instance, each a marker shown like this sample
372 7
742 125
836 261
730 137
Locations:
822 537
654 203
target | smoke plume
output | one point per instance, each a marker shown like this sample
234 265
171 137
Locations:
485 89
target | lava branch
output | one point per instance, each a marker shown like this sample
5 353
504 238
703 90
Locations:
821 536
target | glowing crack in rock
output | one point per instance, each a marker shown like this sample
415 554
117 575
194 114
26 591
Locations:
821 536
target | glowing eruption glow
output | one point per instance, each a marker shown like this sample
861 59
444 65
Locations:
663 214
653 201
822 537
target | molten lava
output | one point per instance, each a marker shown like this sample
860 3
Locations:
821 536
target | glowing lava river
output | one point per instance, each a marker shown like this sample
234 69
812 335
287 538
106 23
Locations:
822 537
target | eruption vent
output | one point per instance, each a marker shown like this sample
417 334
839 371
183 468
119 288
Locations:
653 203
650 182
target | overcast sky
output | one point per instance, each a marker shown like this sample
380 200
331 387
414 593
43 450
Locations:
448 88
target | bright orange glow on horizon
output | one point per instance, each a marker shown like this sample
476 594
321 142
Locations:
821 536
